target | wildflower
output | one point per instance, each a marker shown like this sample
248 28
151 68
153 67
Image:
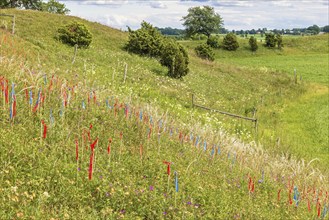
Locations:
151 188
46 195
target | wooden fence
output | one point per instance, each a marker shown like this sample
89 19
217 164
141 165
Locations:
254 120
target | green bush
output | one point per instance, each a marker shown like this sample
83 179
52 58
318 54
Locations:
75 33
253 43
279 40
213 42
145 41
230 42
198 37
204 51
175 57
148 41
270 40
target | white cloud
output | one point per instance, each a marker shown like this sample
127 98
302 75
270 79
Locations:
237 15
158 4
104 2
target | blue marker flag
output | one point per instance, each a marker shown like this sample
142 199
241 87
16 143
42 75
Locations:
197 140
107 103
12 90
213 150
176 181
295 193
83 105
141 115
31 97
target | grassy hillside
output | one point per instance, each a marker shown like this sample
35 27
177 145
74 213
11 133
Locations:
149 120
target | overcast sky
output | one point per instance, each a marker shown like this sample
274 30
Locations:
237 15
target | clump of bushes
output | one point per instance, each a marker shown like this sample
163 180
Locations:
75 33
230 42
272 40
212 41
148 41
204 51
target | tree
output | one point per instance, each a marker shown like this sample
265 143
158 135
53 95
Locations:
270 40
314 29
253 43
27 4
202 20
53 6
326 29
230 42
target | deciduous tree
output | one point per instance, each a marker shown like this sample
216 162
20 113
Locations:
202 20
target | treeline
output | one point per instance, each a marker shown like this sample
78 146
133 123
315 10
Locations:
51 6
311 30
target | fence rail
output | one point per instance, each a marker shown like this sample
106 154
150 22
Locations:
224 113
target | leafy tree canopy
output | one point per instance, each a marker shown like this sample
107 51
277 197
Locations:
202 20
27 4
53 6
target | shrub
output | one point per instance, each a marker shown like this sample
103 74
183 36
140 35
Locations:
144 41
75 33
278 39
148 41
198 37
253 43
204 51
175 57
230 42
213 42
270 40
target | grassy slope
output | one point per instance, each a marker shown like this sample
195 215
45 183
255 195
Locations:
218 84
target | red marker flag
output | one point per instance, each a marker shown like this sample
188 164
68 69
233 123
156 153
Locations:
92 146
279 192
109 146
7 92
168 166
44 129
319 209
76 150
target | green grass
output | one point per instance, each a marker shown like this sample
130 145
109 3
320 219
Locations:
40 178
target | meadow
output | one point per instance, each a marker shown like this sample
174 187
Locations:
89 145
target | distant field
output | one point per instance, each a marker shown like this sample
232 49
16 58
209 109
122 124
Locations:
311 67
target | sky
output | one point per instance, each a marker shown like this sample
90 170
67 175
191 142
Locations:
237 14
